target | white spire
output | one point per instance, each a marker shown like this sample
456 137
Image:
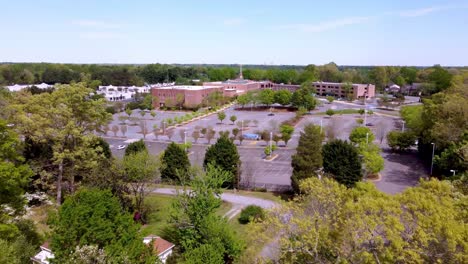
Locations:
240 73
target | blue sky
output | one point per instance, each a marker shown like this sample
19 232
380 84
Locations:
363 32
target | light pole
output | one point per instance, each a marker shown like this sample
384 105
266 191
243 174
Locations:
453 171
432 159
321 125
242 128
403 127
365 116
367 138
185 140
164 127
271 137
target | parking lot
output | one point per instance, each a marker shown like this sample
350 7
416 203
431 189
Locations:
274 174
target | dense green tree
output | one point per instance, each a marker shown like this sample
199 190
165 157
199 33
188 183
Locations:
225 155
400 140
267 97
330 223
199 229
175 163
303 98
135 147
341 160
361 135
244 99
283 97
308 158
67 119
441 78
94 217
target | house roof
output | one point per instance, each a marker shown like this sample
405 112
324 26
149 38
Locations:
160 245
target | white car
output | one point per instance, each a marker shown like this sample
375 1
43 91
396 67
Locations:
120 146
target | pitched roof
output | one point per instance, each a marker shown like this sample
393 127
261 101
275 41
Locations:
160 245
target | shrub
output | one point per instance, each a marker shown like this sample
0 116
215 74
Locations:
251 212
110 110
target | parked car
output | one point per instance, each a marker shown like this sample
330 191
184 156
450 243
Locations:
251 136
271 114
369 124
121 146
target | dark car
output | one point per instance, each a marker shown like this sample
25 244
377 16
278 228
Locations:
271 114
369 124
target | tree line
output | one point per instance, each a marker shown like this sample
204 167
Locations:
436 78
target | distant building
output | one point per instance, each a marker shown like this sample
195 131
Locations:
330 88
394 88
19 87
413 89
44 255
162 247
191 95
119 93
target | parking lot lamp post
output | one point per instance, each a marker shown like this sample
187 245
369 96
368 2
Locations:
185 141
453 171
367 138
403 127
271 137
432 159
321 125
164 127
365 116
242 128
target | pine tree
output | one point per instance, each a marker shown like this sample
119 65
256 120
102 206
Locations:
175 163
341 160
308 157
224 154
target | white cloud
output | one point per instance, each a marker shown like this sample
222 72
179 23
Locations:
234 21
327 25
96 24
100 35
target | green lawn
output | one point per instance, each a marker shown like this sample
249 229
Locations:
160 205
341 112
159 217
39 215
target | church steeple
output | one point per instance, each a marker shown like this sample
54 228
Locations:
240 73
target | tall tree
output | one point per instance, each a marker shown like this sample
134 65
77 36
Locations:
196 223
67 118
175 163
308 158
225 155
140 169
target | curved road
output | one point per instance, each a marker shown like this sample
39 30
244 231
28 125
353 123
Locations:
236 199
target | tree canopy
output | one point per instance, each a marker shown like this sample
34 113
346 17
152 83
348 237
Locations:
95 217
341 161
330 223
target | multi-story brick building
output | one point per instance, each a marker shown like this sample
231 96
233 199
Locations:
335 89
191 96
338 90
